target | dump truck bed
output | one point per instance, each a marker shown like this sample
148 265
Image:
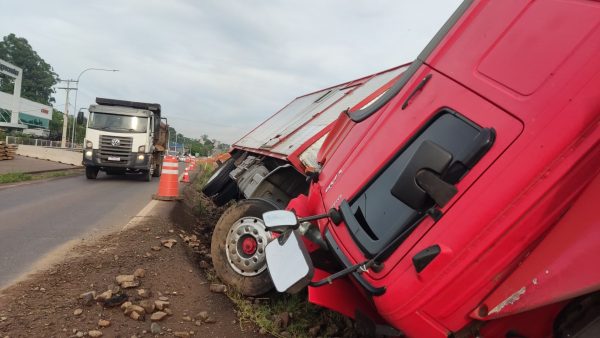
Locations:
305 119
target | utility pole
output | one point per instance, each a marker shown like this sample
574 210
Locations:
68 88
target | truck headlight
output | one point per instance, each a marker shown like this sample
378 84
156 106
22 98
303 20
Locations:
88 154
89 144
141 149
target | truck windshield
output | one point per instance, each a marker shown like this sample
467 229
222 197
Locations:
118 123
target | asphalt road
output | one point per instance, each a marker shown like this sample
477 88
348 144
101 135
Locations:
39 217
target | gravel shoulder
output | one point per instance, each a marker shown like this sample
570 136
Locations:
48 303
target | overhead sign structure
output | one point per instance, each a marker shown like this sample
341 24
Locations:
17 112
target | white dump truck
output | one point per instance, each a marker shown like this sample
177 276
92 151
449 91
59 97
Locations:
124 137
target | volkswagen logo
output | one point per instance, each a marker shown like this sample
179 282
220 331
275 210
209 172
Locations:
115 142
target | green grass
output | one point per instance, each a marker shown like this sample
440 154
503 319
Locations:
205 172
22 177
14 177
265 311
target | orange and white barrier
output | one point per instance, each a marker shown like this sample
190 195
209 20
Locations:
186 176
168 187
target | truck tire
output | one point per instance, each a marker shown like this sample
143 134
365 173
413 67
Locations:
229 192
91 172
238 248
157 170
147 175
219 179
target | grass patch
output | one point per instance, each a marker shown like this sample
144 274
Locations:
14 177
22 177
304 317
200 180
203 176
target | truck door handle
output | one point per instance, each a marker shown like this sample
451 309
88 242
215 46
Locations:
417 89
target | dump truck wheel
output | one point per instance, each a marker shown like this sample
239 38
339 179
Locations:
238 248
219 179
157 170
147 175
91 172
229 192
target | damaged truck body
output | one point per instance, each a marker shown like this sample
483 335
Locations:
271 165
461 202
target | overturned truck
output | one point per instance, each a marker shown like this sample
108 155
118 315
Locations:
273 164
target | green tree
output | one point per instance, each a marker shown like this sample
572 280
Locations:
56 125
172 133
38 76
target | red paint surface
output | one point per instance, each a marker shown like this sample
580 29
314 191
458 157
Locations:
522 208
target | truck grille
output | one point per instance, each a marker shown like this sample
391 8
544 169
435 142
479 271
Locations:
120 150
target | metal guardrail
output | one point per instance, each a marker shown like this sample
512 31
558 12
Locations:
39 142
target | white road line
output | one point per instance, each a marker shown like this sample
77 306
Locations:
143 213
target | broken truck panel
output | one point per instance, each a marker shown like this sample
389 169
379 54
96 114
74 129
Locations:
503 144
307 115
558 267
269 167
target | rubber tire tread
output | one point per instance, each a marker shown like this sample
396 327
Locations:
249 286
220 181
157 170
91 173
228 193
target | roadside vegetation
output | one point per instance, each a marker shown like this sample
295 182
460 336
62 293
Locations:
14 177
22 177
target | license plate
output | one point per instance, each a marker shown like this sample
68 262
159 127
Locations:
111 158
290 266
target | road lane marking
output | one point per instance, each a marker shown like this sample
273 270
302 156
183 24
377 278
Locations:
143 213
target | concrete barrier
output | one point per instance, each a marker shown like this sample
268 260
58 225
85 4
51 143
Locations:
51 154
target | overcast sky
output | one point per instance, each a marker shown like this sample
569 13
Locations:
220 67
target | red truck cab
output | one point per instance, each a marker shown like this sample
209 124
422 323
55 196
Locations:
461 202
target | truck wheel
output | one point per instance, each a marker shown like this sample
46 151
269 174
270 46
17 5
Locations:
157 170
147 175
238 248
219 178
91 172
227 194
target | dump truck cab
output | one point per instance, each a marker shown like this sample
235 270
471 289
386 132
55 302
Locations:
124 136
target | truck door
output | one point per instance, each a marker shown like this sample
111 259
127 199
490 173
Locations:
435 127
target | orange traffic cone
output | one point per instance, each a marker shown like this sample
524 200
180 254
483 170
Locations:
186 176
168 187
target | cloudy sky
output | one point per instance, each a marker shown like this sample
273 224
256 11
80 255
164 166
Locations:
220 67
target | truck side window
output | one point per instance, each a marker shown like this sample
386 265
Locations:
379 214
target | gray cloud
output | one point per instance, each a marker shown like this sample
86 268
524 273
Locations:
221 67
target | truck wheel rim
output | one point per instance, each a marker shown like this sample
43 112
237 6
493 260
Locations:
245 246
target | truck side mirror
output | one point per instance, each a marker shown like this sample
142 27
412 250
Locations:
280 220
419 183
432 171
